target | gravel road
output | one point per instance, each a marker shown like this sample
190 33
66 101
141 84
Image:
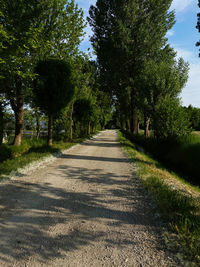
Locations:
87 208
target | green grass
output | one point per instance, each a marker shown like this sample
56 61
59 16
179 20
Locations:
12 158
196 132
180 155
180 211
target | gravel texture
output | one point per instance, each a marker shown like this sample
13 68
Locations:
85 208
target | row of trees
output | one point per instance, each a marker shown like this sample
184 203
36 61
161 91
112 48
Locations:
137 66
31 33
193 115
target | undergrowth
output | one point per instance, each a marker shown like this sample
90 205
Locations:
180 155
180 211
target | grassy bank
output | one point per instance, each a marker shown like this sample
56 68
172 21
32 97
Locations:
180 155
12 158
179 210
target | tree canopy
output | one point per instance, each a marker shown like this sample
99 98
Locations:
53 88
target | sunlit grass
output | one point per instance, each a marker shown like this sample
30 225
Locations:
178 209
28 152
180 155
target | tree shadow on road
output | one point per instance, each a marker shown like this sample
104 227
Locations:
102 144
94 158
32 209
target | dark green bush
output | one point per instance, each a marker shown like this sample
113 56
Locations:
5 152
179 154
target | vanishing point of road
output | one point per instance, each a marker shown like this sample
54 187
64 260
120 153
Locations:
86 208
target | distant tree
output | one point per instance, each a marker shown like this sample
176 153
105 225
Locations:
53 89
84 111
170 119
105 108
194 117
125 35
158 80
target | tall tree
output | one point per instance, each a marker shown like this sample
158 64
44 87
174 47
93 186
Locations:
53 89
34 30
126 33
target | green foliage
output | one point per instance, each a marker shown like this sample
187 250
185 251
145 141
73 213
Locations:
105 108
181 212
169 119
10 152
161 83
163 78
178 209
126 35
180 155
194 117
62 124
83 110
31 31
53 88
28 152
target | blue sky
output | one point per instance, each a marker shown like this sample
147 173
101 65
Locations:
182 37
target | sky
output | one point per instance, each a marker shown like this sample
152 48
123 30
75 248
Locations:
182 37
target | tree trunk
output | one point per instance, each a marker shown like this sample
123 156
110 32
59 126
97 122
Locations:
133 115
71 121
138 127
93 129
50 131
89 128
1 124
146 125
38 125
134 122
19 122
17 103
128 126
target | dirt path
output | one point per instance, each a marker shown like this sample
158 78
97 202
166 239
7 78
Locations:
87 208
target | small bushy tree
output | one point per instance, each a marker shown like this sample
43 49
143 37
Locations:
84 112
53 89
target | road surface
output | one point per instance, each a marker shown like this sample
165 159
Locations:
87 208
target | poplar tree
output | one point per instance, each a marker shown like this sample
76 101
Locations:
126 34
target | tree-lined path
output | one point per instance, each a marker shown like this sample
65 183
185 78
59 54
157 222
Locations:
87 208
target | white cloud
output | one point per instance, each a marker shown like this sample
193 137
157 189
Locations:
191 93
185 54
170 33
181 5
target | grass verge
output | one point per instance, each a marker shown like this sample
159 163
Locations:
28 152
180 155
180 211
